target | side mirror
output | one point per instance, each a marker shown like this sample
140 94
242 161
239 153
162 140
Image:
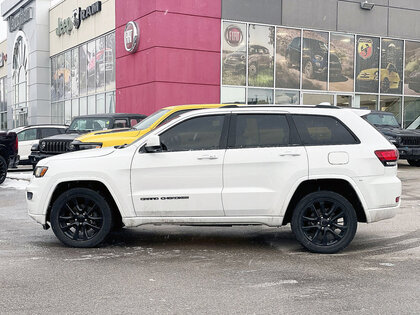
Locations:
153 144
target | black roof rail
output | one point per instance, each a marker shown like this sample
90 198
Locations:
327 106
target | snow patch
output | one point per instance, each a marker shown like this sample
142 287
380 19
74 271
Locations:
23 176
15 184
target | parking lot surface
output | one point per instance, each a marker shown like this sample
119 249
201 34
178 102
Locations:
212 270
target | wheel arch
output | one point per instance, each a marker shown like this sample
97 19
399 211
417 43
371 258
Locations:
95 185
337 185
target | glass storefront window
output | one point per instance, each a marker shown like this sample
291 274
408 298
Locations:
391 66
315 60
367 64
412 68
234 54
317 98
83 106
83 69
91 65
91 104
287 97
341 62
392 104
100 64
74 107
110 102
288 58
3 104
110 61
67 75
366 101
67 112
100 103
233 95
344 101
53 81
75 72
59 76
57 112
411 112
261 55
260 96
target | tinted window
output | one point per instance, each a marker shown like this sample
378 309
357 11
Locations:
120 123
174 115
27 135
201 133
260 130
322 130
48 132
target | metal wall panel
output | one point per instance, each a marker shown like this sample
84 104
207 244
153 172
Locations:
407 4
404 23
261 11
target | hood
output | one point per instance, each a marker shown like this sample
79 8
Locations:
63 137
111 138
398 132
93 136
77 155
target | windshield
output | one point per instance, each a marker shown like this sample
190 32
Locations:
415 124
90 124
379 119
150 120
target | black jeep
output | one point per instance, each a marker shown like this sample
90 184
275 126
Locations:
8 153
406 140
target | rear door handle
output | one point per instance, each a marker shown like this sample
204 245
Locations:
207 157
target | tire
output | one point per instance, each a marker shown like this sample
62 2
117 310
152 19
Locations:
253 69
324 222
81 217
3 169
414 162
309 70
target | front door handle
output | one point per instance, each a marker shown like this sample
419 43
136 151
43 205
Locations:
289 154
207 157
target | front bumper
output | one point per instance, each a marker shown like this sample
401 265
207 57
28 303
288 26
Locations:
37 156
408 153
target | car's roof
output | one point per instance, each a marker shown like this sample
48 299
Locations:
111 115
39 126
195 106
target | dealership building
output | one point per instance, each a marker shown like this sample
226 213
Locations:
72 57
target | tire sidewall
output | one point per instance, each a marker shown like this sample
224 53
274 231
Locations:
347 207
3 168
102 204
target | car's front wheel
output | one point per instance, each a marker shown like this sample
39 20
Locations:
3 169
324 222
81 217
414 162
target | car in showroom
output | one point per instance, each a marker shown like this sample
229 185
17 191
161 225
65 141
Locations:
322 169
390 79
259 58
314 58
60 143
414 81
30 135
9 145
121 137
407 141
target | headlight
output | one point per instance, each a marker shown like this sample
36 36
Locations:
42 145
83 146
40 171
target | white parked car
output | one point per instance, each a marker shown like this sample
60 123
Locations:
29 135
321 169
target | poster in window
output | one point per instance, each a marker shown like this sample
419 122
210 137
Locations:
91 66
288 58
83 68
261 55
315 60
53 81
59 76
75 72
367 64
391 66
341 62
412 68
67 75
234 54
110 62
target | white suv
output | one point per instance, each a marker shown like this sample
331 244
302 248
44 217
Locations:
322 169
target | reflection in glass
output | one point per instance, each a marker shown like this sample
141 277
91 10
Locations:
412 68
233 95
287 97
100 103
91 65
57 112
288 58
391 66
315 60
91 105
53 81
110 102
83 69
315 99
261 55
366 101
411 112
67 112
75 72
59 76
67 75
234 54
74 107
344 100
100 64
83 106
392 104
367 64
341 62
110 61
260 96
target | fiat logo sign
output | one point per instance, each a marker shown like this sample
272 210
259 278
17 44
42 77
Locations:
233 35
131 37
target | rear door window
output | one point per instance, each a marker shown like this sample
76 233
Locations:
323 130
48 132
28 135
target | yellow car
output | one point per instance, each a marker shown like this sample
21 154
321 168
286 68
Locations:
390 80
108 138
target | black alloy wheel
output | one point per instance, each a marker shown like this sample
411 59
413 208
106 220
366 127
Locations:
414 162
3 169
81 217
324 222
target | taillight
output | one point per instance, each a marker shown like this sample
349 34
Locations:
17 144
387 157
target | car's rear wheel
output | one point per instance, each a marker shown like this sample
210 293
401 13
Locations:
414 162
309 70
3 169
81 217
324 222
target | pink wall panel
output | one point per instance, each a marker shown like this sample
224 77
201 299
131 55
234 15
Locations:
130 10
211 8
136 99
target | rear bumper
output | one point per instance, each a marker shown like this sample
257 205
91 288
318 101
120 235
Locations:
14 161
374 215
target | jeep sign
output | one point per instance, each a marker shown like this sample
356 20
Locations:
131 37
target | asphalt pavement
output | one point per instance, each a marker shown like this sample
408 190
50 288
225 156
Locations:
210 270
